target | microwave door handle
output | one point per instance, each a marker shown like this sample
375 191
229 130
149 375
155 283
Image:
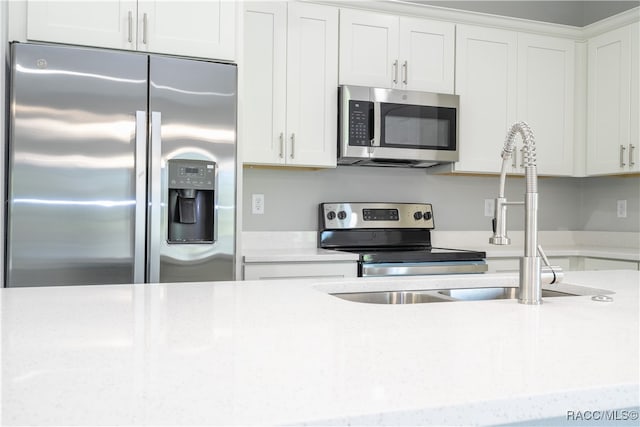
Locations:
377 126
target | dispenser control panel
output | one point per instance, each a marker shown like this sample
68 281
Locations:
192 174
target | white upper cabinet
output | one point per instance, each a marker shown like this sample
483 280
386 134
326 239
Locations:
493 96
106 24
427 55
387 51
290 78
192 28
612 126
368 48
546 76
486 61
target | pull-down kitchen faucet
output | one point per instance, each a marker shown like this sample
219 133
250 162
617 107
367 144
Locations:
530 266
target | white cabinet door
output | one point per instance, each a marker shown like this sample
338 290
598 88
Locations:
368 49
191 28
634 139
105 23
546 74
290 84
609 264
486 82
312 85
609 99
426 55
264 78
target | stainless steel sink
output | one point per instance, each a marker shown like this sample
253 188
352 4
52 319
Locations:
479 294
463 294
397 297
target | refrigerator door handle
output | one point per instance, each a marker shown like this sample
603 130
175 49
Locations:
155 232
140 191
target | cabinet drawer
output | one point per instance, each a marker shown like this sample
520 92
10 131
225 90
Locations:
299 270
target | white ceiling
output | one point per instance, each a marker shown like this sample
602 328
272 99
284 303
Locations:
575 13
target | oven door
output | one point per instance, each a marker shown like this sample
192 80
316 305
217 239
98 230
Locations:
420 268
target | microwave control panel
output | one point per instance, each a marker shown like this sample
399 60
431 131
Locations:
360 123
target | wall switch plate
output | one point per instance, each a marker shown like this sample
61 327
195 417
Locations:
257 204
622 208
489 208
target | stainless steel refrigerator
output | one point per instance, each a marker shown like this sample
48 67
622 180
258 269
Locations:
121 168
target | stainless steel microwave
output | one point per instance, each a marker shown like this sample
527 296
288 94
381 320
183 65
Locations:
390 127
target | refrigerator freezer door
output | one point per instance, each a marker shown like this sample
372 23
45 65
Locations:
197 105
71 194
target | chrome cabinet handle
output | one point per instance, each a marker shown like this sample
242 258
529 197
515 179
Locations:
130 22
144 28
631 150
395 71
622 163
405 70
281 145
293 145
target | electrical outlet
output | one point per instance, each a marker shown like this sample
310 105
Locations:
257 204
622 208
489 208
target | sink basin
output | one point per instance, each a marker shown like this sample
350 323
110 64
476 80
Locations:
462 294
395 297
479 294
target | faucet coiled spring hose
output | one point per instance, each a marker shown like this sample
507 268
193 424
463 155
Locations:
529 155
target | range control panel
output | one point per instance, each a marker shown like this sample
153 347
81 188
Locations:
341 216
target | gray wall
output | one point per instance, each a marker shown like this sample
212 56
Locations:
575 13
599 197
292 197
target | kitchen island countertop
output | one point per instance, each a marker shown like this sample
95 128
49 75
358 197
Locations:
243 353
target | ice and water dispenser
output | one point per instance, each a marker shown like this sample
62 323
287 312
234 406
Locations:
191 201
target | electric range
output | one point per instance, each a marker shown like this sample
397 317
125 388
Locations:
392 239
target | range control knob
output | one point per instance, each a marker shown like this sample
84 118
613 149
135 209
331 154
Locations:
331 215
342 215
427 216
417 216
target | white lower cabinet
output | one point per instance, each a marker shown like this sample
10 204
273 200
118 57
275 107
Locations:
290 77
189 28
510 265
572 263
609 264
299 270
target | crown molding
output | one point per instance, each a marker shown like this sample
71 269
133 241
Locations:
616 21
401 7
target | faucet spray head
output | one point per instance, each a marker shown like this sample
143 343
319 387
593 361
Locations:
500 224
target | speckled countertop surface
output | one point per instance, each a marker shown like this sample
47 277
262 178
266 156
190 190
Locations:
286 352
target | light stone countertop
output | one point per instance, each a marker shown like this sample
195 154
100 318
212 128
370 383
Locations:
300 246
242 353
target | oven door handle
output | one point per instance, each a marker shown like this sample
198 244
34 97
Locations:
411 269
